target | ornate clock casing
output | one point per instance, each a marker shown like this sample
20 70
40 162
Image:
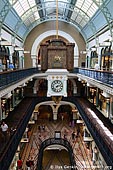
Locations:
57 82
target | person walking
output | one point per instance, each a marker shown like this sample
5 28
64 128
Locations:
62 117
31 163
28 164
4 128
19 164
73 135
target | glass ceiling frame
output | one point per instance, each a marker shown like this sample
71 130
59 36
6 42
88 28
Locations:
87 6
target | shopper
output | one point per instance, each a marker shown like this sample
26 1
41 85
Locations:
19 164
73 135
4 128
28 164
31 163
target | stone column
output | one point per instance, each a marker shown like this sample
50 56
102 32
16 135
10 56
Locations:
54 115
97 97
11 48
33 60
75 90
111 107
13 98
21 59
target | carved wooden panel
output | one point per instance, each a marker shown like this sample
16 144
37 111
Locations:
57 57
70 56
57 54
44 56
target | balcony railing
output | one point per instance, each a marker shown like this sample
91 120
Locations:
8 152
11 77
106 77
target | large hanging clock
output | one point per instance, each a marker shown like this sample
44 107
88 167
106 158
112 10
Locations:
57 86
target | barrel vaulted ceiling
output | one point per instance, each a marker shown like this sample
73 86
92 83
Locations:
88 16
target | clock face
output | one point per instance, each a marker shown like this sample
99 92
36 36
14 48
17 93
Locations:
57 86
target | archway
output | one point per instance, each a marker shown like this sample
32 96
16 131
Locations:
65 112
40 38
56 143
45 112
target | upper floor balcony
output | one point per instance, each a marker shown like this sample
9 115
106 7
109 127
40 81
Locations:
12 77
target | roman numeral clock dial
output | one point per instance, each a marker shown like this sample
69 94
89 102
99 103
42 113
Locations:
57 86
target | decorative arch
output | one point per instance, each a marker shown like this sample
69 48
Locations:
54 106
39 39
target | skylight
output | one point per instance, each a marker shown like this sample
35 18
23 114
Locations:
80 12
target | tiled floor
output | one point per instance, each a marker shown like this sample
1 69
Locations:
82 154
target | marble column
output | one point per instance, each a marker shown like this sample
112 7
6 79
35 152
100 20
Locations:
75 90
97 97
111 107
54 115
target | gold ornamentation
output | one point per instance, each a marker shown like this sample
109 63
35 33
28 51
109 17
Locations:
57 77
61 77
57 99
57 58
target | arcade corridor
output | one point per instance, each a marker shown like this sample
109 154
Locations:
58 156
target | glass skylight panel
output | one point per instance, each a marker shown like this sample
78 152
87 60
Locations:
50 11
21 6
83 22
49 3
86 6
36 15
33 12
25 5
78 19
32 3
31 18
27 22
12 1
75 13
19 9
82 12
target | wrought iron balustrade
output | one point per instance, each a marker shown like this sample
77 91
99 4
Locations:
10 77
105 77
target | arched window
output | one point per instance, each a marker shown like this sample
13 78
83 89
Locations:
16 59
106 58
94 59
87 61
